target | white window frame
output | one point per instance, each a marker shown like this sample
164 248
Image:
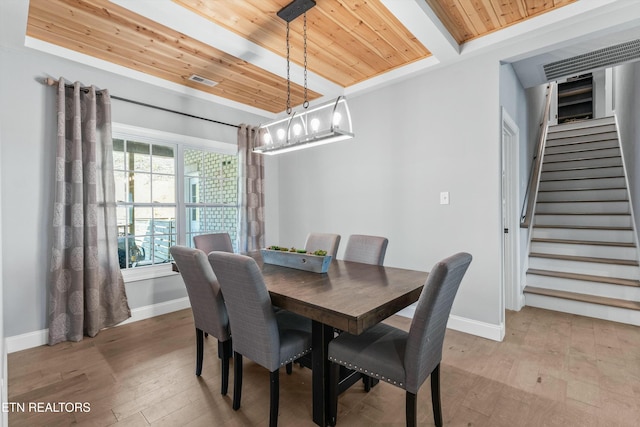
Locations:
181 142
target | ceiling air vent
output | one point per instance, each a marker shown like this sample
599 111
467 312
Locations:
199 79
601 58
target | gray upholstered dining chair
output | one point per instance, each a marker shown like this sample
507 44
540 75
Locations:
366 249
405 359
208 308
323 241
213 242
269 338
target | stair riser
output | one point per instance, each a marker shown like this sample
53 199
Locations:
606 124
582 174
597 235
540 220
595 251
590 195
579 155
607 290
583 207
591 268
586 143
573 162
584 309
556 136
594 183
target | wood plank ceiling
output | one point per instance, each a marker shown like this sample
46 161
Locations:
349 41
469 19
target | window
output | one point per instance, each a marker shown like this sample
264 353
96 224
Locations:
145 176
170 188
211 193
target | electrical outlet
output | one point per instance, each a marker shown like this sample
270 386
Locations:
444 198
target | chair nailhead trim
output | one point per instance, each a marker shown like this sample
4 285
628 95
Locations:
296 357
355 367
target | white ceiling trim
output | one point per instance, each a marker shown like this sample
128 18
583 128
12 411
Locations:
392 76
423 23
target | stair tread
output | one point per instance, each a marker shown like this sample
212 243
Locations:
582 189
585 259
586 227
584 213
556 133
584 201
550 158
561 141
593 299
595 123
584 242
569 168
585 277
581 178
560 134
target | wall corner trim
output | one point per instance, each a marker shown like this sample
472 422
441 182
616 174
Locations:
38 338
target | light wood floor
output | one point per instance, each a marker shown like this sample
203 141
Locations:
551 369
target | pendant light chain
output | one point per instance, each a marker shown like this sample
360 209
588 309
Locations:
288 74
306 102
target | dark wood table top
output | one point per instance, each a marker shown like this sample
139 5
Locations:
351 296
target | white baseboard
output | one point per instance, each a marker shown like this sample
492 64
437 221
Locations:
38 338
28 340
150 311
462 324
475 327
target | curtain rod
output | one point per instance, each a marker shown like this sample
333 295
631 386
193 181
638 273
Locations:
51 82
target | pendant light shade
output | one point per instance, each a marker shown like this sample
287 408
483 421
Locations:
325 123
319 125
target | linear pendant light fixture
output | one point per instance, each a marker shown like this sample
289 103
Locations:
325 123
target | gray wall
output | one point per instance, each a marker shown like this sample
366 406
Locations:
626 99
27 131
436 132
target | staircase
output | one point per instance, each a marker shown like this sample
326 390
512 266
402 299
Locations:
583 257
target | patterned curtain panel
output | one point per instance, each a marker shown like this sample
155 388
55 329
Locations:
251 191
86 289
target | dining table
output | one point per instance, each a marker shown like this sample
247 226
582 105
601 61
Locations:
349 297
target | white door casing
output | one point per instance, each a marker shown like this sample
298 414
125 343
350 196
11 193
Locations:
511 288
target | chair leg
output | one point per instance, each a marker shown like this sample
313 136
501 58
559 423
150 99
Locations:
275 398
366 380
435 396
411 409
237 380
334 379
224 352
199 351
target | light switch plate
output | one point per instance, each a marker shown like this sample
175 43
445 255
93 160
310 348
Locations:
444 198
